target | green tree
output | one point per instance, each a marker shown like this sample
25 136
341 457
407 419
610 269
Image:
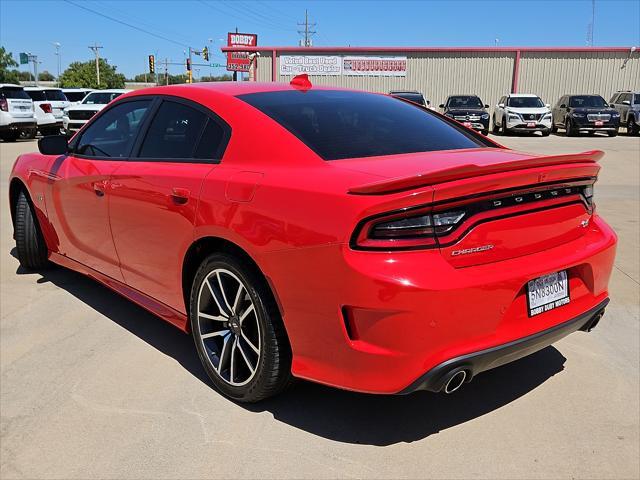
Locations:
216 78
83 74
25 76
7 61
46 76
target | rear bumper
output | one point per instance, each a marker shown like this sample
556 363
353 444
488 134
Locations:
477 362
18 126
377 321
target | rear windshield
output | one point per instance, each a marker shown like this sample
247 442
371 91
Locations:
75 96
587 101
525 102
338 124
464 101
55 95
13 92
36 95
412 97
100 98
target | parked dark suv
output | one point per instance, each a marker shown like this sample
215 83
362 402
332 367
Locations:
584 113
412 96
627 103
468 110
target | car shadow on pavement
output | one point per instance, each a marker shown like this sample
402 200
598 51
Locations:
331 413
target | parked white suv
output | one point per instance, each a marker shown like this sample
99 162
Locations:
16 113
77 115
48 104
76 95
521 112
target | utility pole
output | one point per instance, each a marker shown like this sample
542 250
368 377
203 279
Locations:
58 45
306 42
96 50
166 71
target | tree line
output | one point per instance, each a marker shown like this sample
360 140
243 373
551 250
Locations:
83 74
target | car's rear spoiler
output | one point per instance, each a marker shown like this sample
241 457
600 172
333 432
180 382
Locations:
459 172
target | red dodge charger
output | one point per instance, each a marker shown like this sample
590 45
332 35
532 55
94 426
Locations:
344 237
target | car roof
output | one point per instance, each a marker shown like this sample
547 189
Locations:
112 90
522 95
77 89
10 85
464 95
34 89
392 92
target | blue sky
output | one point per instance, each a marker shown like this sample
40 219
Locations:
172 25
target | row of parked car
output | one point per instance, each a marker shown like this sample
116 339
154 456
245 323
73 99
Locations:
527 113
24 111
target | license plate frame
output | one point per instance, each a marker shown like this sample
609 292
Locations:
531 125
599 123
547 293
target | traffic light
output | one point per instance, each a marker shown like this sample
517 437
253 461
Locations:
152 64
205 54
188 64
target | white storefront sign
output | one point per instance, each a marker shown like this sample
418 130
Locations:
311 64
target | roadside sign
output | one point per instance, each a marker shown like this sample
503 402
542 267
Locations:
24 58
239 61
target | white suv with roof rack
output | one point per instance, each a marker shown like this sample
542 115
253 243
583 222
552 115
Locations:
16 113
49 105
76 95
521 112
76 116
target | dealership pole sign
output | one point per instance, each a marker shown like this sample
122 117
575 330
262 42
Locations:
335 65
239 61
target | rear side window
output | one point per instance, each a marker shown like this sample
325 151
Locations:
36 95
112 134
13 92
174 132
340 124
212 142
75 96
55 95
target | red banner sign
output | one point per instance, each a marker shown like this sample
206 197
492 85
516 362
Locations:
239 61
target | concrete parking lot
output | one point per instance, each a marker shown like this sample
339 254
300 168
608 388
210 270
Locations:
92 386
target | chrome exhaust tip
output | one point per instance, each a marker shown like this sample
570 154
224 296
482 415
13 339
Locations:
455 381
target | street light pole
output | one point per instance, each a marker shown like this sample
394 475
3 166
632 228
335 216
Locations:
58 45
96 50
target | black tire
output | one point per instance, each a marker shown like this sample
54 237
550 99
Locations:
545 133
613 133
50 131
554 129
494 127
272 372
504 131
30 244
568 127
28 134
10 136
632 128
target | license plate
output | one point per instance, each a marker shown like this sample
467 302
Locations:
467 124
531 124
599 123
547 292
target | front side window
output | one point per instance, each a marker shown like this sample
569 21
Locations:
464 101
636 99
113 132
174 132
100 98
525 102
342 124
587 101
75 96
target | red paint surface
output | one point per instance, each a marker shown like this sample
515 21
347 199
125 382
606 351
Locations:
292 213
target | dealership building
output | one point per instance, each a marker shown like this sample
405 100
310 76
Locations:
437 72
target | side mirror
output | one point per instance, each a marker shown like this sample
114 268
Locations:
547 105
53 145
486 106
501 105
428 103
442 105
627 102
563 106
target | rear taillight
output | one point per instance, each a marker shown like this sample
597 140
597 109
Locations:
4 105
46 107
415 228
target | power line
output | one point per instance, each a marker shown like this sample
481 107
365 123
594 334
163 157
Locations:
243 15
113 19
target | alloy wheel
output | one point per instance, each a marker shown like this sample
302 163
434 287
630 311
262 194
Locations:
228 327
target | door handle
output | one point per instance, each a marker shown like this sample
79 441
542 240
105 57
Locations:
180 196
99 188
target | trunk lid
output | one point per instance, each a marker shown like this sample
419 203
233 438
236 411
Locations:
514 203
20 108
